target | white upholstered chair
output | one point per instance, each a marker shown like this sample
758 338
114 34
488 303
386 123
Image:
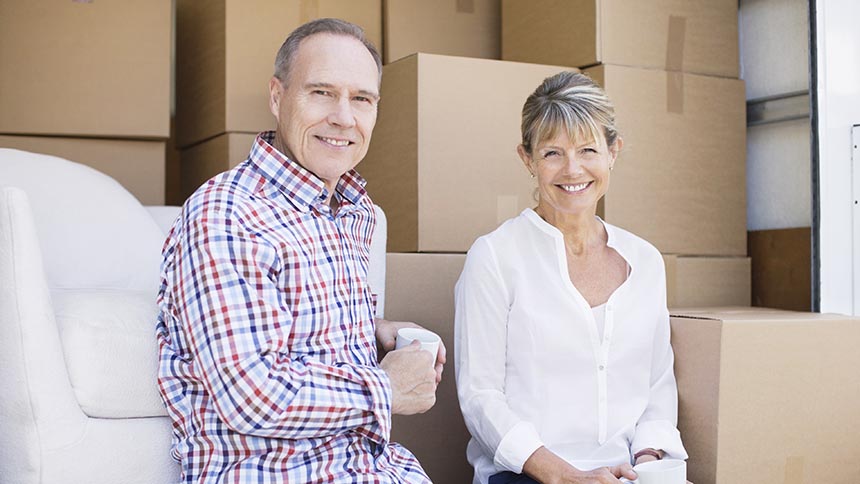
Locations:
79 265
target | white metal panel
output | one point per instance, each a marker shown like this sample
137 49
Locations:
774 46
778 176
855 188
838 90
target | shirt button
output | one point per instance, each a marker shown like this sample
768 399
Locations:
601 367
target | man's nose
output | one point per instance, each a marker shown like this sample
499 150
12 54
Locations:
342 113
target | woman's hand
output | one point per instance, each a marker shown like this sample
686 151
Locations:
386 336
546 467
602 475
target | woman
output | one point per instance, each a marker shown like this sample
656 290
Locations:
564 368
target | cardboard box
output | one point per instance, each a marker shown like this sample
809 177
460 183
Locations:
768 395
781 268
698 36
98 69
693 281
680 180
442 162
225 56
173 168
420 288
137 165
205 160
468 28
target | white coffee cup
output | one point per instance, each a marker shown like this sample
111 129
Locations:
428 339
666 471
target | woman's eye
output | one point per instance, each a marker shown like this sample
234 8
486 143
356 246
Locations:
551 154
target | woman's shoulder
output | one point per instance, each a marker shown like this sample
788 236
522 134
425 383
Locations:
632 244
511 228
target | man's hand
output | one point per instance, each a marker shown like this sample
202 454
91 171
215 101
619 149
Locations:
386 336
413 379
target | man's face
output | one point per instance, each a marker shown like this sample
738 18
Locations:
326 109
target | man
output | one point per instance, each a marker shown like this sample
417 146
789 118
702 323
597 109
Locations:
268 363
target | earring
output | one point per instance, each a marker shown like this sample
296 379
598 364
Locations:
533 175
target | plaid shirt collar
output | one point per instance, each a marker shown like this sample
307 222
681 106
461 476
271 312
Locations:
299 186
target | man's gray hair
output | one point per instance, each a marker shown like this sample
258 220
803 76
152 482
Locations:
288 49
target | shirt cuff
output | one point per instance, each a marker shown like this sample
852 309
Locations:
379 385
521 441
659 434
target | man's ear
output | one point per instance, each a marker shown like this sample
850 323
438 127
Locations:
276 89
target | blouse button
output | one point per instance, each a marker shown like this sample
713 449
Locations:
601 367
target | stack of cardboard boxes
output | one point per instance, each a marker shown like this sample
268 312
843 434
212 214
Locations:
82 82
443 162
443 166
671 70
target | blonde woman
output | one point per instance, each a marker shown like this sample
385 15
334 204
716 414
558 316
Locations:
564 368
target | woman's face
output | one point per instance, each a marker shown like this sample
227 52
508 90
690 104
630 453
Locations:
571 174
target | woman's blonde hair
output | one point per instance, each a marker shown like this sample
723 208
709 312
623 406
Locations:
571 102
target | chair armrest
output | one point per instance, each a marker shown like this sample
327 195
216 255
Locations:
376 265
33 374
164 215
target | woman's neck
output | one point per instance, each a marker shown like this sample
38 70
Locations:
582 232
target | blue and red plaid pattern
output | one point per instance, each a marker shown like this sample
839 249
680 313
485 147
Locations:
268 364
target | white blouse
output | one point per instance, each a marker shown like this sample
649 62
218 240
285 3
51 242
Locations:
533 368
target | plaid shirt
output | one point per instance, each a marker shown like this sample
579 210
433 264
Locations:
268 364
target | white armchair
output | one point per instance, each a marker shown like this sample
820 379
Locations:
79 265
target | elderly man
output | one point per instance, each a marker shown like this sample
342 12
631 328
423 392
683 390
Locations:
268 363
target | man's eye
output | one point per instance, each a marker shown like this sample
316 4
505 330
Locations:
320 92
362 99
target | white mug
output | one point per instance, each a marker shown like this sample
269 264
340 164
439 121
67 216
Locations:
666 471
428 339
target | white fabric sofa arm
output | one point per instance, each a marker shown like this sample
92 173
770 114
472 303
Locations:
37 392
164 215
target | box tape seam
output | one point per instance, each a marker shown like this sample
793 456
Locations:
793 470
675 64
465 6
676 39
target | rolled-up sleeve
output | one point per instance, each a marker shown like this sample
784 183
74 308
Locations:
482 304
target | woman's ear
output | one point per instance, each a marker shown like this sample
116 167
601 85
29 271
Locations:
616 147
527 159
614 150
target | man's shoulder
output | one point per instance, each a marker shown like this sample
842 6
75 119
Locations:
224 195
